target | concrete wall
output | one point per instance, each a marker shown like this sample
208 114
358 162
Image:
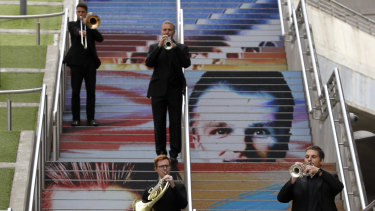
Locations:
365 7
341 45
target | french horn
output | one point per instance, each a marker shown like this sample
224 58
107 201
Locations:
155 193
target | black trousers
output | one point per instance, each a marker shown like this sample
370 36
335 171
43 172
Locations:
78 74
171 102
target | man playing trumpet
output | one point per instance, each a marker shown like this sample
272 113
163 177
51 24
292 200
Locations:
166 87
83 61
316 190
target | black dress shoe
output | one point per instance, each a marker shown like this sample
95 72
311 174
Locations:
174 161
93 123
76 123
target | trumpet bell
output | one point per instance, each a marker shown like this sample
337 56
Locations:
92 21
296 171
168 44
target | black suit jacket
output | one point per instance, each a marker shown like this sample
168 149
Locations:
166 63
77 55
328 187
174 199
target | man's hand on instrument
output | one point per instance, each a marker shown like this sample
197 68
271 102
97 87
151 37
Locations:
169 179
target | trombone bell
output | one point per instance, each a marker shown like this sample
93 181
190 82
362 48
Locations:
92 21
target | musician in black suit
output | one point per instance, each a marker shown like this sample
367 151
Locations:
166 87
83 63
316 191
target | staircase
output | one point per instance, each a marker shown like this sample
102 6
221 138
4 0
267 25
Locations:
247 133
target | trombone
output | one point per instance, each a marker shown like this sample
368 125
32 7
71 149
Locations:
92 22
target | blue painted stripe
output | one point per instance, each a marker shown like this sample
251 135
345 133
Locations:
183 1
140 16
245 16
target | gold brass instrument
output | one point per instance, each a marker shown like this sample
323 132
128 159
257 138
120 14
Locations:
168 44
297 170
155 193
92 22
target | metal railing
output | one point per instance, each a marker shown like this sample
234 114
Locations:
36 184
187 160
307 55
37 27
33 201
334 93
58 103
9 102
300 28
345 14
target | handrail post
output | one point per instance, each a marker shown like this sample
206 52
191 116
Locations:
9 108
37 31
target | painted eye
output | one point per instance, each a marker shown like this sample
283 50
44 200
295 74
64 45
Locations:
261 132
223 132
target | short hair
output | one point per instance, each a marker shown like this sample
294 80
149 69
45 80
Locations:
170 23
245 82
318 149
270 82
160 158
82 5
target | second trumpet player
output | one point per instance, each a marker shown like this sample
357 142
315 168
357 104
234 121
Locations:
310 187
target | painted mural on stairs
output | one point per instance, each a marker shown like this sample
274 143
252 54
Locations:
248 117
245 116
269 124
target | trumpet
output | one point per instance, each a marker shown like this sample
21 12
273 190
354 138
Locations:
168 44
92 22
296 170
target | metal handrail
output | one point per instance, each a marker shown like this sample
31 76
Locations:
58 104
371 205
32 16
349 136
281 18
312 53
345 14
9 103
34 201
304 75
336 142
187 160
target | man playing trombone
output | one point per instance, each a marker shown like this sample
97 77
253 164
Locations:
83 61
311 188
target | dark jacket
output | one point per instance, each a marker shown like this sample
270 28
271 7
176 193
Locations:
77 55
328 187
167 68
174 199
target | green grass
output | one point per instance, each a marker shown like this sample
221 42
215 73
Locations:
14 81
52 23
23 118
6 179
39 0
23 56
11 39
9 145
